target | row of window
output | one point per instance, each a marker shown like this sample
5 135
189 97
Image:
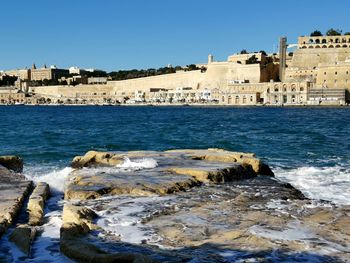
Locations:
325 46
285 89
336 73
324 41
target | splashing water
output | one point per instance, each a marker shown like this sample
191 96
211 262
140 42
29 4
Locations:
326 183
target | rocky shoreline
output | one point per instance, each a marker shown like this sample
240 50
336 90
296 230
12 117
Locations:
177 206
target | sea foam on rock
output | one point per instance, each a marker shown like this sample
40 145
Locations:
204 205
176 170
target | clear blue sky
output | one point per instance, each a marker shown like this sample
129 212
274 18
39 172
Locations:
121 34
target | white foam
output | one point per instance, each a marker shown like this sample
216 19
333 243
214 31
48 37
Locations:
56 177
326 183
123 216
138 164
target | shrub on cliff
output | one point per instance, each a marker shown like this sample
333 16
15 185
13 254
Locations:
316 33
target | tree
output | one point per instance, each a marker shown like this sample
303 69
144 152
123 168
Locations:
8 80
347 34
316 33
252 60
244 51
333 32
263 52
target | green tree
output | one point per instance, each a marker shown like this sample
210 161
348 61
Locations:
333 32
252 60
316 33
244 51
347 33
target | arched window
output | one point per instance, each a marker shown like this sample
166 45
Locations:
337 46
311 41
301 88
237 100
304 47
337 40
276 90
293 98
331 46
324 46
311 47
268 90
229 100
317 46
345 46
324 41
244 99
317 41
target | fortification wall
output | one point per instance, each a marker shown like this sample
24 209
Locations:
168 81
310 58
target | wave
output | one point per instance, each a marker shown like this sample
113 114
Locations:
55 177
138 164
322 183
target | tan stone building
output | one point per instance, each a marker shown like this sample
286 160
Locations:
48 73
287 93
323 61
22 74
11 96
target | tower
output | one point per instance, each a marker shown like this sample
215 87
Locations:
282 58
210 58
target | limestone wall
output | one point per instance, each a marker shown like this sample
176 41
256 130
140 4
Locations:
311 58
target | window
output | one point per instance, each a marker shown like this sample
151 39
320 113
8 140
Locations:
336 73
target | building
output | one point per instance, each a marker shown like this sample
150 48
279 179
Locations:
22 74
51 73
97 80
323 61
287 93
12 96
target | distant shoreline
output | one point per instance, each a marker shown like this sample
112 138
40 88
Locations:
179 105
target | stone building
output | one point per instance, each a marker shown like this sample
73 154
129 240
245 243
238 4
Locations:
11 96
22 74
323 61
242 94
51 73
287 93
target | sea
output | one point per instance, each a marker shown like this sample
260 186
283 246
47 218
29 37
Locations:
306 147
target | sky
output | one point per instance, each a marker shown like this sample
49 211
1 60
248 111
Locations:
124 34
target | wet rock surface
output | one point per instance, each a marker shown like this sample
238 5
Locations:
158 173
223 209
13 190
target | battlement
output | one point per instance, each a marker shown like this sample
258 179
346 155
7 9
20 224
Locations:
324 42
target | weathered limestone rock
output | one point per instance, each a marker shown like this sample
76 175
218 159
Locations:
220 155
36 203
176 170
13 163
93 158
13 190
23 237
77 223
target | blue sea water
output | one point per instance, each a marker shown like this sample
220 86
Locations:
308 147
